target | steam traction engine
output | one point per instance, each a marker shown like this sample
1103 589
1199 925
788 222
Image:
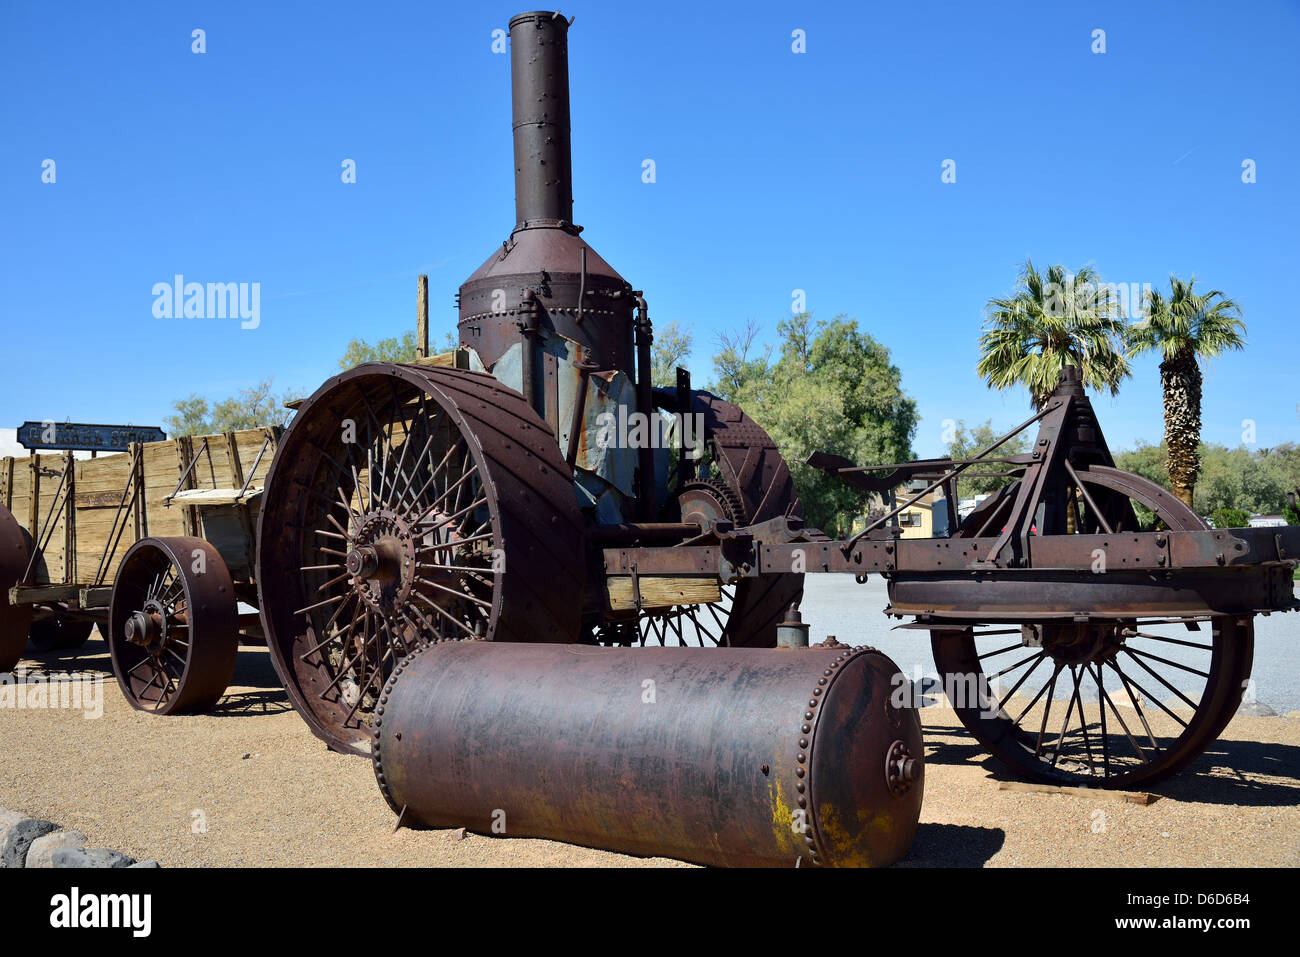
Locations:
472 496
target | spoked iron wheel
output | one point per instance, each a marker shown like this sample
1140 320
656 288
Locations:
408 504
15 620
1106 703
172 626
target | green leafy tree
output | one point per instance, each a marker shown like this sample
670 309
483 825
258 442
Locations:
1256 481
833 388
251 408
968 443
1186 329
1052 320
396 349
739 362
1230 518
669 350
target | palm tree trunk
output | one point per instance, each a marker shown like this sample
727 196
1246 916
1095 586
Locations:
1180 379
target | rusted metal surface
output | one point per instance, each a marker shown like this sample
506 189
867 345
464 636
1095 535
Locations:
539 71
15 619
752 485
451 513
1060 560
730 757
172 629
748 460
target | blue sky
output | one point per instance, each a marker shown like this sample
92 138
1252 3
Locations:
775 171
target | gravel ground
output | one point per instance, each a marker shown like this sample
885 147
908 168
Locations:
251 786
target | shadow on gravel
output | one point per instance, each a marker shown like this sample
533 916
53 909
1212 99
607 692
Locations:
966 750
1246 761
249 704
953 845
92 656
257 688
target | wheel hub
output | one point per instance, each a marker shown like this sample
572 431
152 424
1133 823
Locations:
147 627
381 561
1074 642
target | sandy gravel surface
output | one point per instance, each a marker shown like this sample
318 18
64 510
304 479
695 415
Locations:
250 785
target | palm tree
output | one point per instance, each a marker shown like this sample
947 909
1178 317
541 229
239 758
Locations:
1185 328
1051 321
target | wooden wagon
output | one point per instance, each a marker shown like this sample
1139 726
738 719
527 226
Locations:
156 545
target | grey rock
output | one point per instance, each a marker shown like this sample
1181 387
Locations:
7 820
1256 709
90 857
150 863
41 853
19 839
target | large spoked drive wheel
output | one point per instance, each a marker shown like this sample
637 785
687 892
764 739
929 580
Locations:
173 624
407 504
15 620
1104 703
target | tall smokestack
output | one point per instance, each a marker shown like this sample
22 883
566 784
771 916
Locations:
539 70
544 298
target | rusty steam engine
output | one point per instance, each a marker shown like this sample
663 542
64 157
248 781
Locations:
457 570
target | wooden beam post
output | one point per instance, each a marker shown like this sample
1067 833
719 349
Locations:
69 521
34 503
422 316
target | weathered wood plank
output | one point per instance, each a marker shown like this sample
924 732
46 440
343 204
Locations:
661 591
31 594
1092 794
97 596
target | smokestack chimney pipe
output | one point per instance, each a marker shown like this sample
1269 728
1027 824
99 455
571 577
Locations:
539 84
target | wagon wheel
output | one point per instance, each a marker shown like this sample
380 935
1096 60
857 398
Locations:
172 626
57 633
405 504
1140 702
15 620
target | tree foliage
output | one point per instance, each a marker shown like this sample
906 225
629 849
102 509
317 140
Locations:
1186 329
1052 320
739 361
833 388
669 350
395 349
1256 481
968 443
250 408
1230 518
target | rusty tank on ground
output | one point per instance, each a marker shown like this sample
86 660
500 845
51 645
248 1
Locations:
730 757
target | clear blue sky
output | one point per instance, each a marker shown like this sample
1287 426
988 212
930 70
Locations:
776 171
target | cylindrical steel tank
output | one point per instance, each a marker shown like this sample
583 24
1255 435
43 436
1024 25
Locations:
721 756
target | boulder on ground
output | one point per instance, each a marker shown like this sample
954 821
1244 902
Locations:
41 853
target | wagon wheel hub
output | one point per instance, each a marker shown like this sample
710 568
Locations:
1075 643
147 627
